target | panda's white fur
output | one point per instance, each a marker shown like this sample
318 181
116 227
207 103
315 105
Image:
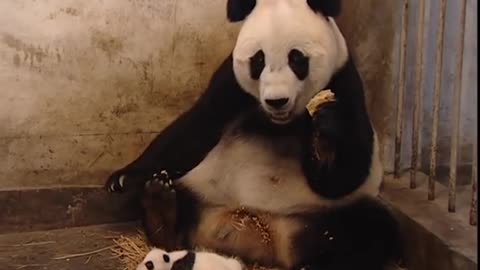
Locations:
253 175
276 27
162 260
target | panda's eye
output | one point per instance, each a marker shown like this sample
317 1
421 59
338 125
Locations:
299 63
149 265
257 64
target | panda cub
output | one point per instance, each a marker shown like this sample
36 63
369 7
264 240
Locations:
159 259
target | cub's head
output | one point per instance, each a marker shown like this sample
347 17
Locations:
286 52
156 259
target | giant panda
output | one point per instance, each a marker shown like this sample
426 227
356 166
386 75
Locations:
248 147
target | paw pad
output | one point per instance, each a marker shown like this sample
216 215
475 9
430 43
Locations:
160 181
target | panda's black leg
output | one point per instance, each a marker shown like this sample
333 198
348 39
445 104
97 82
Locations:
188 216
339 154
361 235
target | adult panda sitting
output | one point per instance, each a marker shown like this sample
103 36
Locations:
248 147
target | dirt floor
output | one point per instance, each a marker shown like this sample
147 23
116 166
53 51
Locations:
83 248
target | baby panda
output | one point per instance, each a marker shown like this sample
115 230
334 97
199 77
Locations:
248 172
159 259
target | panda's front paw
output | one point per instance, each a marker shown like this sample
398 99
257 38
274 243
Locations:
116 182
123 180
327 123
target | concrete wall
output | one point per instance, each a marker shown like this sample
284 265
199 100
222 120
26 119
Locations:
86 84
372 29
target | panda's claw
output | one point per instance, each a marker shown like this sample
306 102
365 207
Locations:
121 180
116 183
111 188
164 173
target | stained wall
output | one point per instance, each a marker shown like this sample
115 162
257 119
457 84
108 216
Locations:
84 85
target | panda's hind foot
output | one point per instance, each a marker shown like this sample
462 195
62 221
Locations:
159 215
159 193
160 183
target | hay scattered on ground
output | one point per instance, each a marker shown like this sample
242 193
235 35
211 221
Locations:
130 250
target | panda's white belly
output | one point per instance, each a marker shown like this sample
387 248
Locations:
256 173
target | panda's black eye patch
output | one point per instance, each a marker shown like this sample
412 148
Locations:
299 64
257 64
166 258
149 265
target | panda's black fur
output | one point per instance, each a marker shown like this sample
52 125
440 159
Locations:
334 147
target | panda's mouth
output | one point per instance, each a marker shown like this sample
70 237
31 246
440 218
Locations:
280 117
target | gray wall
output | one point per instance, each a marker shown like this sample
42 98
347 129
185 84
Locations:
86 84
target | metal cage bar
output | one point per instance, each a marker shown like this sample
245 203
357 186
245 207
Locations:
436 100
401 90
457 90
473 207
417 105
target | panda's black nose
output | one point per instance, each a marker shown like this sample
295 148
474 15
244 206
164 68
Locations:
276 103
149 265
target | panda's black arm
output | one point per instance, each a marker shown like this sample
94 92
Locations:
184 143
339 152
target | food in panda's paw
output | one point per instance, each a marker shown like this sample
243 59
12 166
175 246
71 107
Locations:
322 97
159 259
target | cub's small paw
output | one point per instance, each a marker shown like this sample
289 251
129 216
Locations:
160 183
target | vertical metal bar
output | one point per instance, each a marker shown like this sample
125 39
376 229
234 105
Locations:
457 90
401 90
417 105
436 100
473 207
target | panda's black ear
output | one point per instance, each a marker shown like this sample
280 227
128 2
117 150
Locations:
329 8
238 10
